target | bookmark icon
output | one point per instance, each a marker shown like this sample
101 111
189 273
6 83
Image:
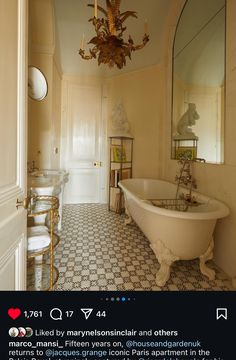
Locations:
221 313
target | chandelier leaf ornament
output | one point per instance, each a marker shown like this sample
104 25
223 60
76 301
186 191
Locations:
109 46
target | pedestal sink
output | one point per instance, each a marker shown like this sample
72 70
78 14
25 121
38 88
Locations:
49 182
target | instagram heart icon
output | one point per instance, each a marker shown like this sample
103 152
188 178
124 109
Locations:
14 313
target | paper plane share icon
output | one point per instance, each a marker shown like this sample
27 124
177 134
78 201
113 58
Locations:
87 312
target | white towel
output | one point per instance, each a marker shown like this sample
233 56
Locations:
47 190
37 230
38 237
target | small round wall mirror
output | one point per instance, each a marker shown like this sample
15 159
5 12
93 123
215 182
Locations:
37 84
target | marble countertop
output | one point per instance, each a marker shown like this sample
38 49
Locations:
46 178
44 181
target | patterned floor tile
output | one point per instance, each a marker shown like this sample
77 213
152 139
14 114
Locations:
98 252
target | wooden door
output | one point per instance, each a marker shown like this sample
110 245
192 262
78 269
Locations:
13 44
82 152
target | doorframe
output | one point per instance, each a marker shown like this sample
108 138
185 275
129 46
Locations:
103 180
22 133
22 98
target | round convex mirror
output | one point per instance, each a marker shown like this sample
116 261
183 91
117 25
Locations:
37 84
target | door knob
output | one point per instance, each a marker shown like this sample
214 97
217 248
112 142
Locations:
24 203
97 163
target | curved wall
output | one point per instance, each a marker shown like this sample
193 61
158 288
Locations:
217 181
44 116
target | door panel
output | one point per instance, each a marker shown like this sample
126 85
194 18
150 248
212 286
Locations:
13 39
82 186
83 140
84 117
12 262
8 93
7 273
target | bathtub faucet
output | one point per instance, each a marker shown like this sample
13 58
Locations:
186 178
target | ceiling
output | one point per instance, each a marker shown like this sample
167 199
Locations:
72 22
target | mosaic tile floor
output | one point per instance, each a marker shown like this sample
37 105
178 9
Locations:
98 252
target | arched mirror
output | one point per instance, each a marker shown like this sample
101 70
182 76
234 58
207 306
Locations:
199 81
37 84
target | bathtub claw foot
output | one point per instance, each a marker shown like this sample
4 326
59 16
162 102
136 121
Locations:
163 274
205 270
129 219
165 258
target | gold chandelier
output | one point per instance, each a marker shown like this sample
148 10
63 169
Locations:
109 47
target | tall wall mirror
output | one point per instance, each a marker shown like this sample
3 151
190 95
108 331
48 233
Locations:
199 81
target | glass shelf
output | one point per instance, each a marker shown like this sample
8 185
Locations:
38 277
119 162
42 251
124 138
43 276
40 205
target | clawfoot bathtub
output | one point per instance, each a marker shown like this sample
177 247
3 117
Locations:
173 235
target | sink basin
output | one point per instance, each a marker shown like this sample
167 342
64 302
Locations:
49 172
47 177
43 181
49 182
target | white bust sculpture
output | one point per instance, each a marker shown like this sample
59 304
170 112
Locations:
187 120
119 123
